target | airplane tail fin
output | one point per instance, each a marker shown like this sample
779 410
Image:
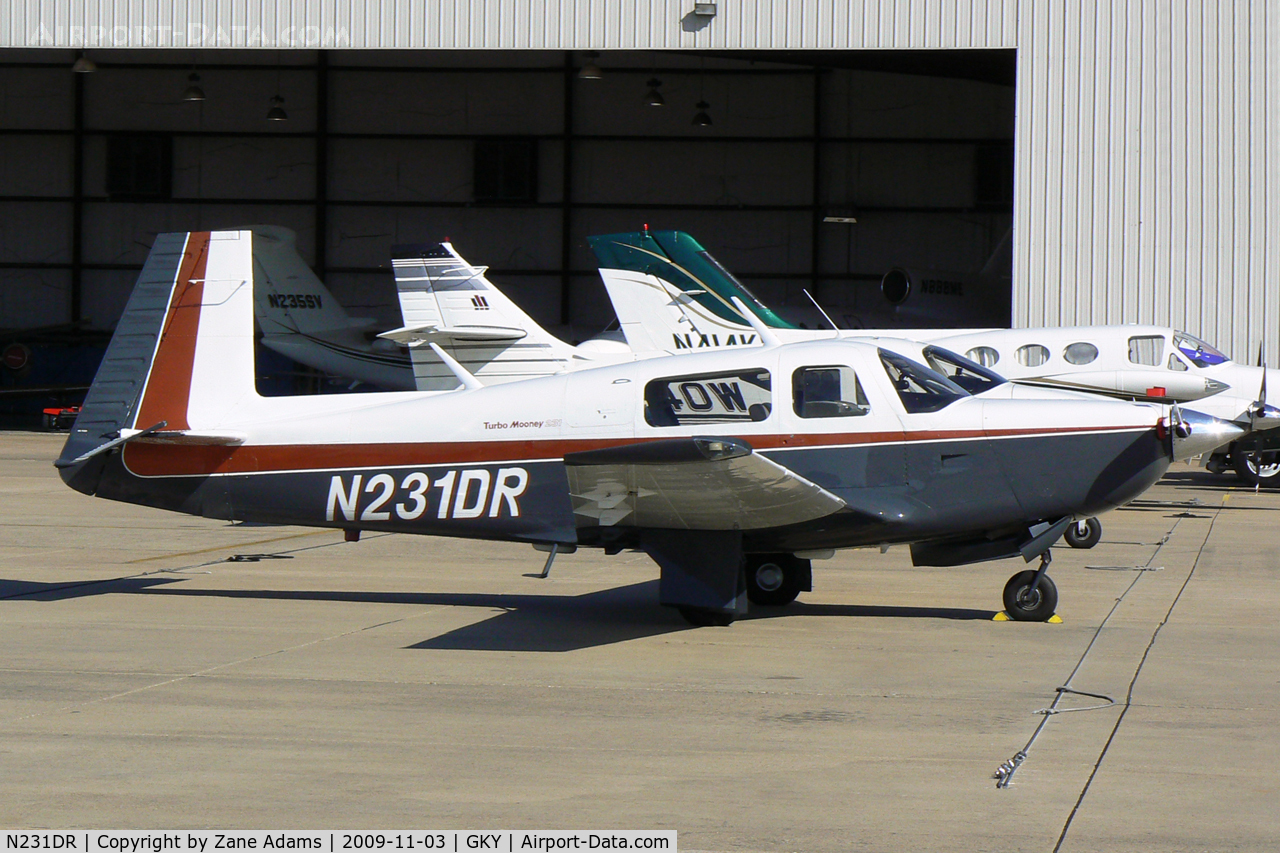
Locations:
676 258
181 357
289 298
446 301
670 294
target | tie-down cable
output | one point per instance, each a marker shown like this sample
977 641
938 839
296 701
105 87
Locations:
1004 773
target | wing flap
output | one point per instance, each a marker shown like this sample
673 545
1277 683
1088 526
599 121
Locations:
701 483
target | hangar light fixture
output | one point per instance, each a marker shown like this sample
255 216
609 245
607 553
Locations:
193 91
701 118
590 71
704 10
277 113
654 98
84 65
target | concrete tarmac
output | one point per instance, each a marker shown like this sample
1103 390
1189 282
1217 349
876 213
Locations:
162 671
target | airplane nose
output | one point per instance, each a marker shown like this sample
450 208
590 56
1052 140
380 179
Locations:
1194 432
1213 386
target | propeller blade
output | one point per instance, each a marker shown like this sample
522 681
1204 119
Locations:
1262 392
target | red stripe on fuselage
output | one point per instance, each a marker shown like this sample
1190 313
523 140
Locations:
167 460
169 385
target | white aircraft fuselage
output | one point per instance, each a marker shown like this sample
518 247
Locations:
700 460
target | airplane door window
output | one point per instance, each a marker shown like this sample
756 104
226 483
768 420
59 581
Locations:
1146 349
1175 363
1032 355
1080 353
828 392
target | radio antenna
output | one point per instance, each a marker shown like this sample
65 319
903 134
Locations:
824 314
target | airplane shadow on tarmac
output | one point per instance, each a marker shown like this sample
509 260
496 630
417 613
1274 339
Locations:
35 591
529 623
1206 481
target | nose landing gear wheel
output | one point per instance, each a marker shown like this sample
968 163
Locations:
1024 605
774 579
1084 534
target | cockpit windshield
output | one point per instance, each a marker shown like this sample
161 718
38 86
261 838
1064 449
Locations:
920 388
1200 353
966 373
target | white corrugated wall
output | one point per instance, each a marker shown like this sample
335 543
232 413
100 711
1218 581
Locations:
1148 136
504 24
1149 167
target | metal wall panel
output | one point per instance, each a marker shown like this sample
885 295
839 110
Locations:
504 24
1148 155
1148 168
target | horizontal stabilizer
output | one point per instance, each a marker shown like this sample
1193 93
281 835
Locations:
193 438
691 484
446 301
417 335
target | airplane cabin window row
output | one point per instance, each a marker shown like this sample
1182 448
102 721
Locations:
1147 350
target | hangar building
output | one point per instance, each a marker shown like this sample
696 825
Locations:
1115 160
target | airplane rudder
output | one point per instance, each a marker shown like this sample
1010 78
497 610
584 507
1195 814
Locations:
221 370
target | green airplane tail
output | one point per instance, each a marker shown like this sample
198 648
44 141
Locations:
677 258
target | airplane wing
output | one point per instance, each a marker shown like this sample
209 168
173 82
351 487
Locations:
700 483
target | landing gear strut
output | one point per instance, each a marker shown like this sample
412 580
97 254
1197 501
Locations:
1031 596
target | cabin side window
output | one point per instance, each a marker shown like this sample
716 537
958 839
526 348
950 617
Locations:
986 356
1146 349
709 398
1176 363
1032 355
1080 352
828 392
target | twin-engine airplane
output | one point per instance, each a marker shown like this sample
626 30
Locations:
731 469
670 294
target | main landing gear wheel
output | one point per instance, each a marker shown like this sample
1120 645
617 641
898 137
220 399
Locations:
1257 468
702 618
1026 605
774 579
1084 534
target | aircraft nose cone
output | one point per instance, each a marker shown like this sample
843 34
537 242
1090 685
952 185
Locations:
1195 432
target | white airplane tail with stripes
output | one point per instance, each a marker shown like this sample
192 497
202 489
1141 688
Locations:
448 302
181 362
